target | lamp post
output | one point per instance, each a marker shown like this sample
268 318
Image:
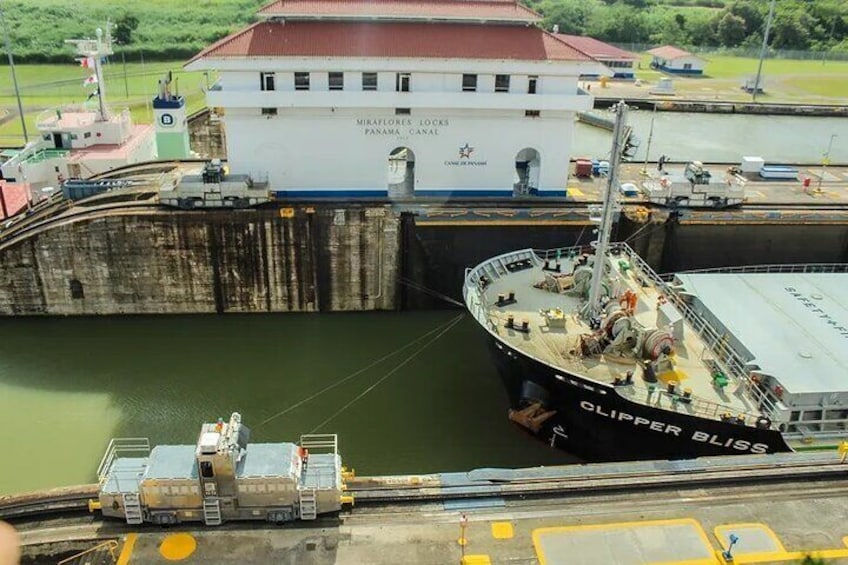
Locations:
825 159
14 78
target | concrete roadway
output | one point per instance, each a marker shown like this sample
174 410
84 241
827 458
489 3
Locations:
776 523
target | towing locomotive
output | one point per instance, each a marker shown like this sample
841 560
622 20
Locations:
222 477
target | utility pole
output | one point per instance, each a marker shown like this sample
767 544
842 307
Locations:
14 77
763 51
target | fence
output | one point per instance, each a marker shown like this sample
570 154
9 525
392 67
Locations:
752 52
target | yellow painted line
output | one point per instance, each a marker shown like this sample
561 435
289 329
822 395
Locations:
476 560
540 555
774 556
574 192
126 551
502 530
177 547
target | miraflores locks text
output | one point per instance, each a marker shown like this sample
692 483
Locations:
402 126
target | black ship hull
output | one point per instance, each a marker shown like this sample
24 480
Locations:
594 422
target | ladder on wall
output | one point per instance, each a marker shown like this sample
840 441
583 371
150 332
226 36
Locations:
308 504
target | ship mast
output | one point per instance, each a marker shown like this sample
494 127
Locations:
593 306
95 50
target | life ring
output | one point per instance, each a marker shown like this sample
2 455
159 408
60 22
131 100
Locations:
664 182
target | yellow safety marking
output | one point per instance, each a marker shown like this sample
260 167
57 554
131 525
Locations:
126 551
502 530
287 212
576 192
540 555
177 547
476 560
845 541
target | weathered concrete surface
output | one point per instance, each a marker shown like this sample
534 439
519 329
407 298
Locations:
199 262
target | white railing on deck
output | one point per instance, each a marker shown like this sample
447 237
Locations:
119 448
789 268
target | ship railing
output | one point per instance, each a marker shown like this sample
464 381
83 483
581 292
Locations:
119 448
697 406
726 358
789 268
474 287
320 443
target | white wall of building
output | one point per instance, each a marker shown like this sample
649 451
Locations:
349 149
338 142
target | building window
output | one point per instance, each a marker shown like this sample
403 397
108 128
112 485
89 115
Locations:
402 82
86 135
531 84
501 83
532 113
336 81
402 111
687 66
301 81
369 81
266 81
269 112
469 83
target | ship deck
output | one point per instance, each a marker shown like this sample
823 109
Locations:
555 340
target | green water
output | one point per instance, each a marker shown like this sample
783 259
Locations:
68 385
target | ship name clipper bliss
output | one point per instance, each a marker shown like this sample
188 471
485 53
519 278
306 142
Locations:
603 358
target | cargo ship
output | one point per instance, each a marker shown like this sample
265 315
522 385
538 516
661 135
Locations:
603 358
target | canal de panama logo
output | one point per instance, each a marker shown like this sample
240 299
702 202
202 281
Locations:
465 151
465 159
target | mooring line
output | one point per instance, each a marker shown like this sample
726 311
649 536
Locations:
355 373
451 324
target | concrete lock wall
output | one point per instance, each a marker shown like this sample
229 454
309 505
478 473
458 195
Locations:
251 261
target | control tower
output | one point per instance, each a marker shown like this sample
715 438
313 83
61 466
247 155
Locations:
171 125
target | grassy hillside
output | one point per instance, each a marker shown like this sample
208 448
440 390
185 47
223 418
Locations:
44 87
166 30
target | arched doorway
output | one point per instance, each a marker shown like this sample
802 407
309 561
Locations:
528 163
401 173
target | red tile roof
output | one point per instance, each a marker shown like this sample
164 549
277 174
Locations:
423 9
393 39
14 196
596 48
670 52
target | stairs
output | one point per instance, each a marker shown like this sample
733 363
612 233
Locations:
212 511
132 508
308 504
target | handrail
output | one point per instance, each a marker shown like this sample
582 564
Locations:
122 447
787 268
111 544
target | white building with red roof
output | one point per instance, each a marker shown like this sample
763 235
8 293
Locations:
618 61
401 98
671 59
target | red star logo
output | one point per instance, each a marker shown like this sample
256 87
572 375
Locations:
465 152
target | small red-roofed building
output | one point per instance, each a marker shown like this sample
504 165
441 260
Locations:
13 198
618 61
670 59
358 98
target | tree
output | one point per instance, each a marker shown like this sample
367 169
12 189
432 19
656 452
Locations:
124 28
730 30
680 19
750 13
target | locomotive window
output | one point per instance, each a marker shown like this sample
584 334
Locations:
206 469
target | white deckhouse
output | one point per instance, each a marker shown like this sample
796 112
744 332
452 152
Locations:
343 98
